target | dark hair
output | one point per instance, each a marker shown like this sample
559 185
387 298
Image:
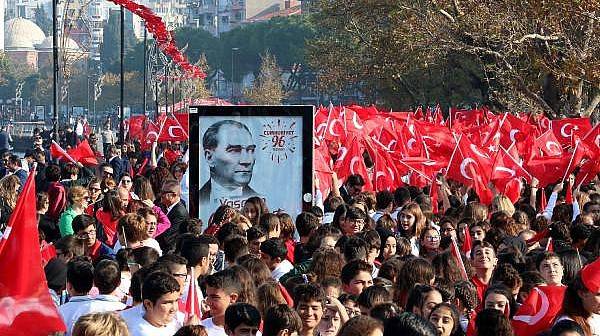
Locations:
507 275
384 199
352 268
158 284
254 233
274 248
317 211
456 329
409 324
401 196
241 313
492 322
224 280
501 289
308 292
107 276
286 225
390 269
170 260
340 212
235 247
191 330
281 317
354 248
355 180
384 311
572 262
52 173
70 244
210 137
111 203
466 293
257 269
81 222
417 295
325 263
573 305
360 326
80 274
269 222
355 213
545 256
137 279
564 326
193 250
227 230
374 295
145 255
417 270
306 223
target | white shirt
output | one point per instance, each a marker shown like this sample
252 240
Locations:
593 321
281 269
138 326
150 242
83 305
212 329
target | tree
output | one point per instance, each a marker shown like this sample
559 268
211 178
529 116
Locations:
522 55
267 88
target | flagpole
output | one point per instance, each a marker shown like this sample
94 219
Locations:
463 270
570 162
452 156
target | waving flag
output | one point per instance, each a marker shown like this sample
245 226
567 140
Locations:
25 305
542 306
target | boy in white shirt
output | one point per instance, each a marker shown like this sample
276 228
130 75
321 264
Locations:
273 252
222 290
160 293
242 319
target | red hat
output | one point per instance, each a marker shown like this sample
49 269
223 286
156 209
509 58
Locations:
590 276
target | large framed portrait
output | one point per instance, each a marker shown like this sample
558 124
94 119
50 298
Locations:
238 152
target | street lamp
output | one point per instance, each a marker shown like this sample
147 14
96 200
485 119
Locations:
233 50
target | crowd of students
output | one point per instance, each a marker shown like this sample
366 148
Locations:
121 251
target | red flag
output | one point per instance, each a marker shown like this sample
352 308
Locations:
543 201
84 154
184 121
458 259
172 130
569 195
59 153
468 243
565 129
136 127
542 306
352 162
150 135
549 245
25 304
192 302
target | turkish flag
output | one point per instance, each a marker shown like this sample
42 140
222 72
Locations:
545 145
136 127
542 306
172 130
438 140
458 259
506 168
59 153
336 129
84 154
593 137
433 194
192 301
353 122
467 243
322 169
184 121
150 135
26 307
565 129
470 165
351 162
320 122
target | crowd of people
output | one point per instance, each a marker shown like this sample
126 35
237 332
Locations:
123 256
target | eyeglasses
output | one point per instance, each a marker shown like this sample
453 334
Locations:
126 181
167 192
432 239
85 235
107 173
95 189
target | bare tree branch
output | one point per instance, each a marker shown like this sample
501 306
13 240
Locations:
537 37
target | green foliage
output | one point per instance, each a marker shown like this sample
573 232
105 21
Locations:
111 44
43 20
267 88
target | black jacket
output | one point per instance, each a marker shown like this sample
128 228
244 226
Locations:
178 217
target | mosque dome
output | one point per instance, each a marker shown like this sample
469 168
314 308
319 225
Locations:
71 45
20 33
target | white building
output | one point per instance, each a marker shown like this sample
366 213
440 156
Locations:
216 16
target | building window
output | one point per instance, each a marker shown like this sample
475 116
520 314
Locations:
225 19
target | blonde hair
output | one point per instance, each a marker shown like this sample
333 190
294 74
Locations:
134 227
477 211
100 324
76 194
503 203
8 187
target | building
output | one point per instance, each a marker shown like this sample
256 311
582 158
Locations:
25 43
216 16
263 10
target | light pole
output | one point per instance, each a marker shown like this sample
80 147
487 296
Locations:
233 50
122 86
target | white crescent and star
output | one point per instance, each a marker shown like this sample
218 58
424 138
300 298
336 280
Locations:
478 152
513 132
331 128
352 162
506 170
410 143
357 125
463 167
552 144
564 133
